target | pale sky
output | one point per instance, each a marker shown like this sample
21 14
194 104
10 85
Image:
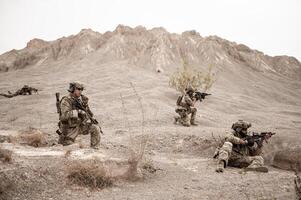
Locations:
271 26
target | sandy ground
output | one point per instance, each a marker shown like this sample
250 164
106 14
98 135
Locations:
182 155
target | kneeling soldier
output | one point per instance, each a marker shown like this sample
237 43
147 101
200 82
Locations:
76 118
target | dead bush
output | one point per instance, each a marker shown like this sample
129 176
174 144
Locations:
5 155
137 144
136 153
89 173
31 136
190 76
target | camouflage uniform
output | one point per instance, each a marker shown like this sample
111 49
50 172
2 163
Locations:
74 121
25 90
185 108
236 152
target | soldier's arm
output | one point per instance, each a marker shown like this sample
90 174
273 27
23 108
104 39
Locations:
188 100
230 137
66 110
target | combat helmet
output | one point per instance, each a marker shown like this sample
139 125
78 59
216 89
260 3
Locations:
189 89
241 126
75 85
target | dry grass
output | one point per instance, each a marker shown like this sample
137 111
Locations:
89 173
189 76
5 155
31 136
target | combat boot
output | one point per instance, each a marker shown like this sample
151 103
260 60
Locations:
257 169
220 166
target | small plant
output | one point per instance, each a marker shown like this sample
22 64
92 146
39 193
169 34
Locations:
31 136
189 76
89 173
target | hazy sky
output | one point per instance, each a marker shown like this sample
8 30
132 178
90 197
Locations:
271 26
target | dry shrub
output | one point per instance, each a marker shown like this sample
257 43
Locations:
31 136
137 145
137 151
89 173
5 155
189 76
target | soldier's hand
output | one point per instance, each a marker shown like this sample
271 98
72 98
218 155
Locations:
243 142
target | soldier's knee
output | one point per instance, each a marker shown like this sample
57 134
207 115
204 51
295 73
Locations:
227 146
95 129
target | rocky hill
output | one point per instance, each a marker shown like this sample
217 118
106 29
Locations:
156 49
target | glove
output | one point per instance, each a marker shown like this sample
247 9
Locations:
81 114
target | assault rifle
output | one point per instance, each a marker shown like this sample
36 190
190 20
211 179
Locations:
200 95
80 106
259 138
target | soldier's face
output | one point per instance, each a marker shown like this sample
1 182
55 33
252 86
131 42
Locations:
77 92
244 131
